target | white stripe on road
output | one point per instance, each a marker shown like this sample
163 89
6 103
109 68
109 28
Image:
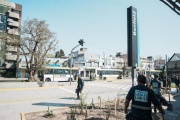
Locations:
107 85
68 90
121 86
126 87
99 85
115 86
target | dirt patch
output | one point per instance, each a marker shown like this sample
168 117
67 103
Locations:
106 112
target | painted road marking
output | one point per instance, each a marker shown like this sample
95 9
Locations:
126 87
121 86
35 88
68 90
27 99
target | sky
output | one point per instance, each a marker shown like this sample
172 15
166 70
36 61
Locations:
102 24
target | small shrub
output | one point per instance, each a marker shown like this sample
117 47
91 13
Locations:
49 114
71 116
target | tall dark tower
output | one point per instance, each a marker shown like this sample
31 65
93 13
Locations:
132 40
132 37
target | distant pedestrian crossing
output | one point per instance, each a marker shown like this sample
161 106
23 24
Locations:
109 85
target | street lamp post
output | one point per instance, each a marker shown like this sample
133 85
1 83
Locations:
80 43
54 62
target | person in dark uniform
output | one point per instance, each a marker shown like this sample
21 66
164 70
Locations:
156 86
90 77
75 76
100 76
79 86
169 82
141 97
164 81
177 84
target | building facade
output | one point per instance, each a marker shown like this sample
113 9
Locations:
173 66
10 23
146 64
89 62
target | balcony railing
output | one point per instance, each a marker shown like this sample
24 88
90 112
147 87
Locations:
11 57
13 23
13 31
14 15
12 48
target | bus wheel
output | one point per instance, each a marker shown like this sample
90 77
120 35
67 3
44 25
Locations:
48 80
104 78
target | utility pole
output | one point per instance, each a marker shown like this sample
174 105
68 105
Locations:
81 41
54 62
166 71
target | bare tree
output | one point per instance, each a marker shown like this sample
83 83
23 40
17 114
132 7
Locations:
36 41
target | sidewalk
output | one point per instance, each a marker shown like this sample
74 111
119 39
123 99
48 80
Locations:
174 100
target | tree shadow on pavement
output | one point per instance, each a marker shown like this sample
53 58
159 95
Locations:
174 114
53 104
68 98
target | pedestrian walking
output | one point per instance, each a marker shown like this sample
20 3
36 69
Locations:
79 86
148 80
100 76
141 97
169 83
75 76
90 77
156 86
164 81
177 82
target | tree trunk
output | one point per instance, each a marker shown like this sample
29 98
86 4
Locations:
30 77
35 76
17 62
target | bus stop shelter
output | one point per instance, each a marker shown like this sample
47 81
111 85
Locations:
173 66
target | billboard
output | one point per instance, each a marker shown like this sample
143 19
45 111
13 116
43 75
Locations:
132 37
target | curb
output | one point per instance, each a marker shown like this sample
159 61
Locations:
23 116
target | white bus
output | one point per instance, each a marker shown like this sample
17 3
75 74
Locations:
59 74
105 74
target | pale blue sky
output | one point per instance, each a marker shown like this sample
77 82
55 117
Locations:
103 24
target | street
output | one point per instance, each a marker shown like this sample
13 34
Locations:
17 100
28 98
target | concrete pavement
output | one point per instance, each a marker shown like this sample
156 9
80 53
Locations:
174 100
6 112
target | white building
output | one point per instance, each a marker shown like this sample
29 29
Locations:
147 64
88 62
